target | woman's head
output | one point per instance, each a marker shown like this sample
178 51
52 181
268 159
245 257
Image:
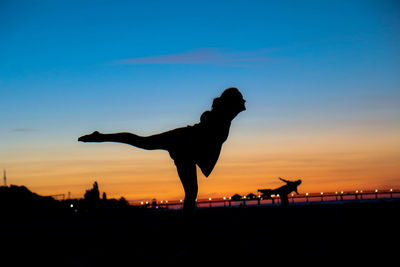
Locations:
230 101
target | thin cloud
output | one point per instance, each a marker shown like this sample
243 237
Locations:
200 56
23 130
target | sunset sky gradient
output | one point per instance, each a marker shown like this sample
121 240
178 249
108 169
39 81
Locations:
321 80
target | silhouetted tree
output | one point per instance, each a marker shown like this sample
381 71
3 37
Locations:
123 201
93 194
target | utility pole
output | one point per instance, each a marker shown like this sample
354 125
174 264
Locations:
5 177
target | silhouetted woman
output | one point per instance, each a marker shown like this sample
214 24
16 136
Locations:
198 144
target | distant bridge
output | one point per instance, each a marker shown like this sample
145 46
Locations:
253 200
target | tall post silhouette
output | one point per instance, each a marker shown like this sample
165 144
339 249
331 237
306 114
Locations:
5 177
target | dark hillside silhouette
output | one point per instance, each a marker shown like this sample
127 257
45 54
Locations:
19 199
189 146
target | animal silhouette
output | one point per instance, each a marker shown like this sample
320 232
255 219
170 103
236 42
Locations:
282 191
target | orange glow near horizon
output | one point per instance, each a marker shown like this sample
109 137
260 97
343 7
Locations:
245 166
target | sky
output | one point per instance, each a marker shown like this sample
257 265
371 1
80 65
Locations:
321 80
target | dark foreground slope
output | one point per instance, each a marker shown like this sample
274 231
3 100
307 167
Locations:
311 234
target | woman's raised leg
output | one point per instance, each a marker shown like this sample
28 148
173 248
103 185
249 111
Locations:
158 141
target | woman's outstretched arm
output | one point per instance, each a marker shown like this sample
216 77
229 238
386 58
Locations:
283 180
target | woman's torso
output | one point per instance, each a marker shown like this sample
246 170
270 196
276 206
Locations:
201 142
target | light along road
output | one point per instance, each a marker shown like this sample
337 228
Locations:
320 197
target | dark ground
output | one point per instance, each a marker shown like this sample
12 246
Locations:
333 234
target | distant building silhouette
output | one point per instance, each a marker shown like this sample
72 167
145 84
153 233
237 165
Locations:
154 204
236 197
251 196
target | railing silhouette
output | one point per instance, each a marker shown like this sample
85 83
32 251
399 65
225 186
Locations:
57 196
304 198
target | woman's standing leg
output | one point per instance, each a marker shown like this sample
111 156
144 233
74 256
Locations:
187 173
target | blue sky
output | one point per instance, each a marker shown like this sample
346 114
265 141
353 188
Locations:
71 67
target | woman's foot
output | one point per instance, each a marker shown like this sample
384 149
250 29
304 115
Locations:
93 137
